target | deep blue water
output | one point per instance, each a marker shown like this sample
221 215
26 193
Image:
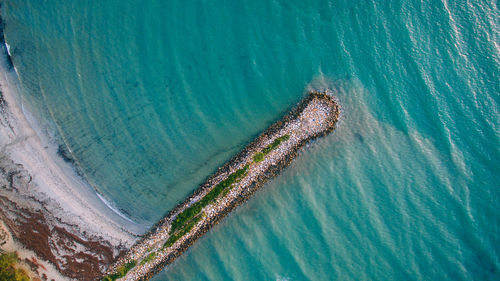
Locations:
151 97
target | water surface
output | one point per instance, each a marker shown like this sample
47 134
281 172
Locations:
150 97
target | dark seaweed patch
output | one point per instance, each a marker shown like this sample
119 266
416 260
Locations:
65 154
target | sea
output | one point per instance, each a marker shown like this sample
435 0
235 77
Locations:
148 98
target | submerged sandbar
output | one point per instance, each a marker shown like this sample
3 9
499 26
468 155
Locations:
232 184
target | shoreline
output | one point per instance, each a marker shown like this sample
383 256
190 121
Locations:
231 185
51 213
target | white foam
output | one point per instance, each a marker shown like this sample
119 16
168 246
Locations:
8 49
7 46
113 208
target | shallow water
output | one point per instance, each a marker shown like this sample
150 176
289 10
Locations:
150 98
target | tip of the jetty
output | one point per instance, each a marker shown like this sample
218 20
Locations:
232 184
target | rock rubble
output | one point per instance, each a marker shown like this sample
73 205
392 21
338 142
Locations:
315 116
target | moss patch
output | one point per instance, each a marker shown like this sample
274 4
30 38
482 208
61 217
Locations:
174 237
121 271
259 156
195 209
8 270
149 258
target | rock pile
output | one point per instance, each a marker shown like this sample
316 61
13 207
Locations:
314 116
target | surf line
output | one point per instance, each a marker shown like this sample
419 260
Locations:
233 183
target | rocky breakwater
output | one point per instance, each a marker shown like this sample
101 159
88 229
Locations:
232 184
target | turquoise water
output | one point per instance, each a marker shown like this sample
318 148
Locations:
151 97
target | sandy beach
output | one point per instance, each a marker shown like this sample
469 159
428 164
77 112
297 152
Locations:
51 214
